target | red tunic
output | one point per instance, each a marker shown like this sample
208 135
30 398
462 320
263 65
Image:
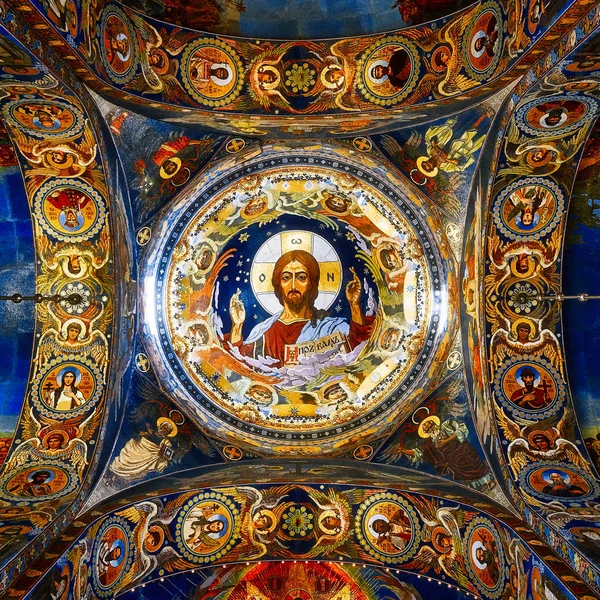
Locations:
280 334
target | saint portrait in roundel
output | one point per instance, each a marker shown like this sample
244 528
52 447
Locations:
67 387
485 561
484 43
556 115
388 528
69 212
119 45
111 555
211 72
208 528
556 481
45 119
530 389
40 482
388 70
528 207
551 116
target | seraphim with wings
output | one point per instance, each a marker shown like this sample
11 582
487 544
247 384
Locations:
444 550
539 442
46 441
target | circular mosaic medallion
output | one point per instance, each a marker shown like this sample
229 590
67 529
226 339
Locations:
530 388
112 555
485 562
212 72
69 210
207 527
35 483
291 303
67 387
44 118
562 482
531 207
387 527
556 115
484 41
388 70
119 50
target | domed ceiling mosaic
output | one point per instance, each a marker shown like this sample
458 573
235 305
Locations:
298 300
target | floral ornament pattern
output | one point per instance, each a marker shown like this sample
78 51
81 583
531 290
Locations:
298 521
84 295
300 77
522 298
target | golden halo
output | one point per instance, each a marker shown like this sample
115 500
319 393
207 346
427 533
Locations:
323 516
432 419
161 70
420 162
166 175
550 154
434 534
515 326
162 420
547 433
65 327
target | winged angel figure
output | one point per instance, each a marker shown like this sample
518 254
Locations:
540 156
158 66
67 157
46 441
536 443
443 531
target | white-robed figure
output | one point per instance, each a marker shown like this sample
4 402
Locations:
150 451
295 283
67 396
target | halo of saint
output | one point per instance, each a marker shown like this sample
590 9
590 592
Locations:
299 299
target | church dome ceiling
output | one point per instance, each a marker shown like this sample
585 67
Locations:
316 333
290 295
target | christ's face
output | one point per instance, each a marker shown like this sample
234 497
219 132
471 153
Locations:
295 284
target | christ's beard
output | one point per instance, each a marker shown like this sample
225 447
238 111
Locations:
295 300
